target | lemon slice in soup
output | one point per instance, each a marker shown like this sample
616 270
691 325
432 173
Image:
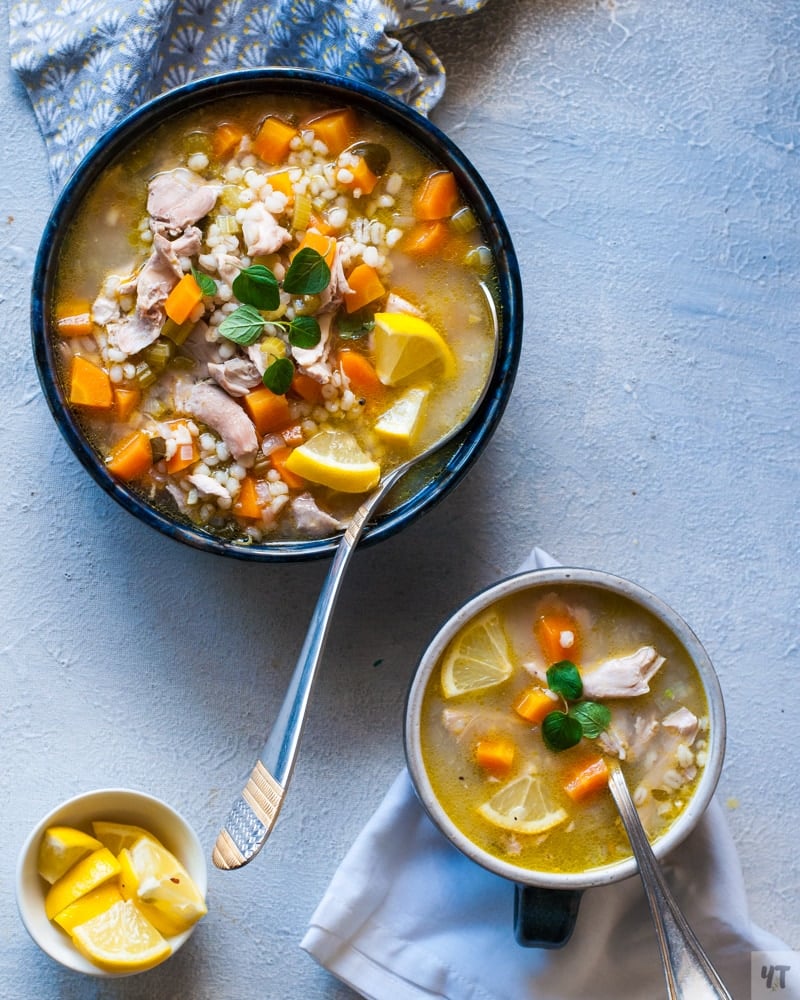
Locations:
335 459
400 424
523 806
405 345
477 658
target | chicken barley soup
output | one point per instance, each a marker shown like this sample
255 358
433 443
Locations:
531 701
264 306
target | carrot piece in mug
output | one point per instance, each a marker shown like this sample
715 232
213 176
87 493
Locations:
534 704
495 756
557 634
589 778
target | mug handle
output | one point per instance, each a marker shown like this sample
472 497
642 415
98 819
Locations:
544 918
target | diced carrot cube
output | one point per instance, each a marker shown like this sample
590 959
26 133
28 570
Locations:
437 197
306 387
363 178
226 137
335 128
273 139
281 181
187 452
590 777
132 458
557 634
495 756
78 325
534 704
267 409
425 238
246 503
324 245
125 402
183 298
360 373
89 385
365 286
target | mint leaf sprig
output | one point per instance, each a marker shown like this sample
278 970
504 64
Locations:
562 730
259 291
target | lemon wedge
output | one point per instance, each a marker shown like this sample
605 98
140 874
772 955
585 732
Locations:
154 879
335 459
87 907
523 806
120 939
87 874
61 848
400 424
115 836
477 658
405 345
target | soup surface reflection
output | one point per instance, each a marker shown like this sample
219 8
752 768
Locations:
264 306
530 702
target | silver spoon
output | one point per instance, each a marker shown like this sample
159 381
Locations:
253 814
688 970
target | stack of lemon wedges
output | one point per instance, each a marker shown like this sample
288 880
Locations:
119 894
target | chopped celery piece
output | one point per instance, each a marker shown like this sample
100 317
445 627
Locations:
302 212
464 221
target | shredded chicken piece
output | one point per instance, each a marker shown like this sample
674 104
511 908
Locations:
208 486
236 376
179 198
310 518
683 722
623 676
261 232
213 406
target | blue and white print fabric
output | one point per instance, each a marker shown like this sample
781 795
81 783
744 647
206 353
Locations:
87 63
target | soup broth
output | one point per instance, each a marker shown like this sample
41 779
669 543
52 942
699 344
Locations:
266 305
489 750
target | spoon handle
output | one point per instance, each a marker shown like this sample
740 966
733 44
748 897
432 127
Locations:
688 970
254 812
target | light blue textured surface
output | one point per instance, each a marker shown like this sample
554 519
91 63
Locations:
645 157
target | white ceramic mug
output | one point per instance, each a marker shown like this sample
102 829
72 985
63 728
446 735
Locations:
546 903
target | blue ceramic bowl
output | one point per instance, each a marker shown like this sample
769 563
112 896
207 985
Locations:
449 466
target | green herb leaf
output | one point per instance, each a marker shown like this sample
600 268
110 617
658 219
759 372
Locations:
304 332
207 284
593 717
257 286
308 273
354 326
278 376
560 731
564 679
244 326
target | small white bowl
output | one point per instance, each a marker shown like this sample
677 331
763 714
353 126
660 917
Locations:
123 806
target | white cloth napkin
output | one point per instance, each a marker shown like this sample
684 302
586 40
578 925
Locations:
408 917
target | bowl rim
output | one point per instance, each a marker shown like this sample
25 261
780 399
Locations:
537 579
238 83
126 805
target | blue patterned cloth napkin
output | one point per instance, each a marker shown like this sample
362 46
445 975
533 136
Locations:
87 63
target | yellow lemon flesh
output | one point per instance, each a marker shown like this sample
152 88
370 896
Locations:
400 424
87 874
406 345
477 658
86 907
523 806
335 459
61 848
120 939
160 886
115 836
